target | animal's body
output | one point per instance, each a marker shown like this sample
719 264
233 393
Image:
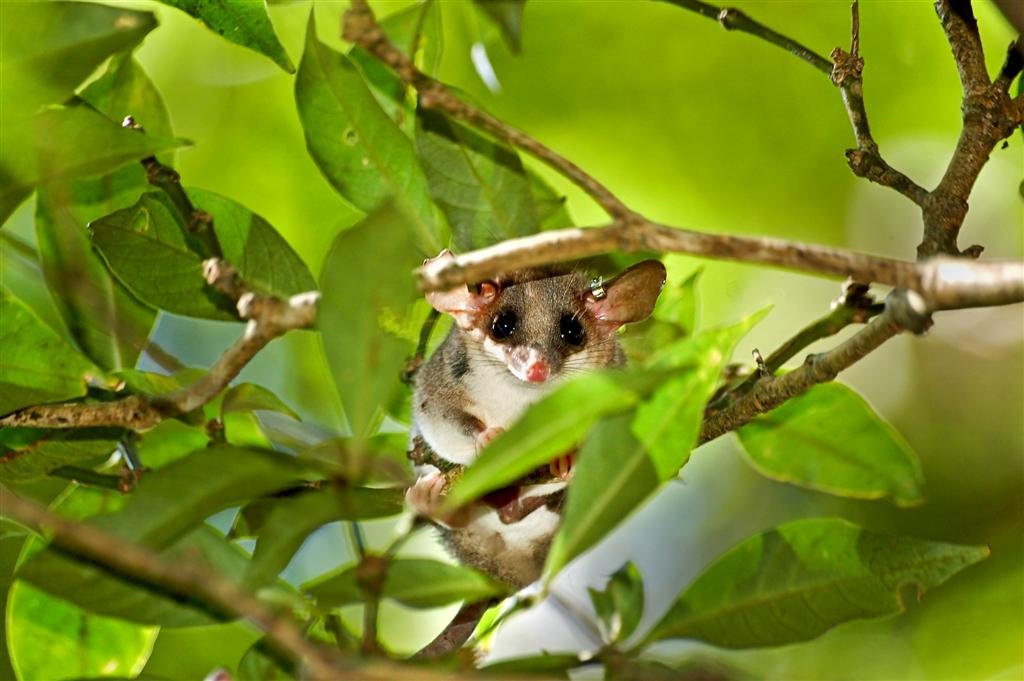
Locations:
514 341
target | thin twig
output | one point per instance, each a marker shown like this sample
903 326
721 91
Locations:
268 317
361 27
771 391
734 20
184 578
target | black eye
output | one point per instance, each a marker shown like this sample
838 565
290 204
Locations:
571 330
503 325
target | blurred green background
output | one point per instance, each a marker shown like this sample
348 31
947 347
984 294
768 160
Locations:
716 131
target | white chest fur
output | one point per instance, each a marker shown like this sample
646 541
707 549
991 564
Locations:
499 398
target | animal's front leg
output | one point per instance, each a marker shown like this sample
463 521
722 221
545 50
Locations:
426 497
485 435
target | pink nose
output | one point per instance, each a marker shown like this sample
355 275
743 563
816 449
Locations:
537 372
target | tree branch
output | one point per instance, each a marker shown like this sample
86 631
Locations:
268 317
190 579
360 27
942 283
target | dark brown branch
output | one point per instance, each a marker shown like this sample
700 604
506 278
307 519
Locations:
961 28
185 578
733 19
268 317
361 27
1012 65
458 631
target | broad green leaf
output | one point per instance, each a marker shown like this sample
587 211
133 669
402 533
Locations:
612 476
415 582
169 441
243 22
678 305
548 429
67 142
250 397
551 207
360 150
669 422
147 248
508 15
549 665
48 48
50 449
801 579
291 519
479 183
36 365
365 279
261 255
109 324
50 638
829 439
620 605
100 592
11 542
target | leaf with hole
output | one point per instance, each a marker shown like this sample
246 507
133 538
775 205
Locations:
829 439
360 150
799 580
243 22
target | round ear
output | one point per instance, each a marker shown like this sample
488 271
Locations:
629 297
463 303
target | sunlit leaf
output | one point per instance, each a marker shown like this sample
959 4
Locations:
479 183
48 48
551 207
620 604
803 578
360 150
243 22
669 422
508 15
67 142
417 583
829 439
36 365
249 397
359 286
548 429
612 476
290 520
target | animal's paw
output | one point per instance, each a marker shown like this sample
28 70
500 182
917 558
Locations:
562 467
426 497
484 437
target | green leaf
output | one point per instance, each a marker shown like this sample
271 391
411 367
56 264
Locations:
249 397
508 15
261 255
243 22
612 476
803 578
365 279
678 305
548 429
829 439
146 246
48 48
479 183
621 604
551 207
669 422
36 365
290 520
417 583
547 665
66 142
360 150
100 592
51 449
